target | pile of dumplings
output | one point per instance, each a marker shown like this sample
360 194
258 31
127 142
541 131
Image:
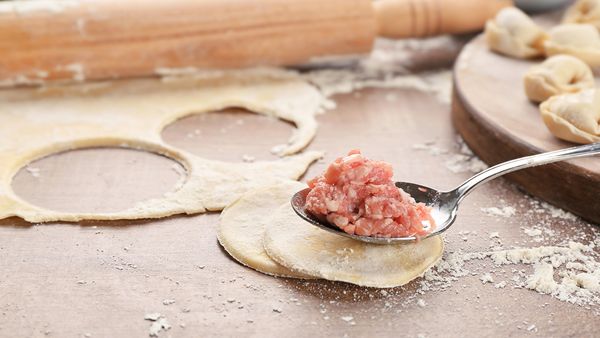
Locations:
564 83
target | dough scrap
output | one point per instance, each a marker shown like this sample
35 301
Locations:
132 113
242 225
584 11
302 247
513 33
579 40
574 117
559 74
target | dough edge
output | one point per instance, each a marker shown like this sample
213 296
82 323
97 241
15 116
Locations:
228 226
380 281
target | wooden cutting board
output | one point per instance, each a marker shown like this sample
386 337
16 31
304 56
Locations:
493 115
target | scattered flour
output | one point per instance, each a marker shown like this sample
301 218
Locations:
152 316
157 326
540 207
342 81
575 265
389 66
26 7
465 160
501 212
35 172
248 158
347 318
159 323
500 285
456 162
532 232
486 278
168 301
430 148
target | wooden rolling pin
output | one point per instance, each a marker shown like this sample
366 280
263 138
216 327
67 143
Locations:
100 39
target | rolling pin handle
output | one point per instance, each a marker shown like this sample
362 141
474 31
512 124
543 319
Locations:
419 18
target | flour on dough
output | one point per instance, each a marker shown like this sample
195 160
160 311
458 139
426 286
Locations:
302 247
579 40
559 74
38 122
513 33
574 117
584 11
242 226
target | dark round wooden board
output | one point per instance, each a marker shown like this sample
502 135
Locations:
493 115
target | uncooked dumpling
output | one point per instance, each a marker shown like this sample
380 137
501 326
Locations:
574 117
513 33
242 225
560 74
579 40
303 247
584 11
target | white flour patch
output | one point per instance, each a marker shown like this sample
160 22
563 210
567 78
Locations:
430 147
159 323
462 160
465 160
569 273
500 212
248 158
388 67
35 172
486 278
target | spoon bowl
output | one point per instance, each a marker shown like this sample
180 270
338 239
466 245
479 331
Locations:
442 212
444 204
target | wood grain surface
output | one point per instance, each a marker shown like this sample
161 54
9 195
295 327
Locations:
99 279
492 113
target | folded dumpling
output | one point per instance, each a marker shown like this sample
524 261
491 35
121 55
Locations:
584 11
574 117
559 74
513 33
579 40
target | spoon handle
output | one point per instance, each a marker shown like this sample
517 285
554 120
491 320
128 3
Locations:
524 162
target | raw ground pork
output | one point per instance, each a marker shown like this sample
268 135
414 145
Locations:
358 195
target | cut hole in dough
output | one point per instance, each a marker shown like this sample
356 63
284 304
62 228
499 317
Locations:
302 247
97 180
232 135
132 114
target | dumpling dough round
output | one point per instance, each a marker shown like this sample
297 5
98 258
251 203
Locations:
242 225
513 33
584 11
579 40
303 247
560 74
574 117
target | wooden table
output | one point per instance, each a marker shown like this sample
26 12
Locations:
100 279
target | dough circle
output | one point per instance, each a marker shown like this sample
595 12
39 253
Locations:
242 225
302 247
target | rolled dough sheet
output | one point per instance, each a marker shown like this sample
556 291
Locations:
38 122
242 226
302 247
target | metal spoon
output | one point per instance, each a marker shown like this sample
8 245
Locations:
444 204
